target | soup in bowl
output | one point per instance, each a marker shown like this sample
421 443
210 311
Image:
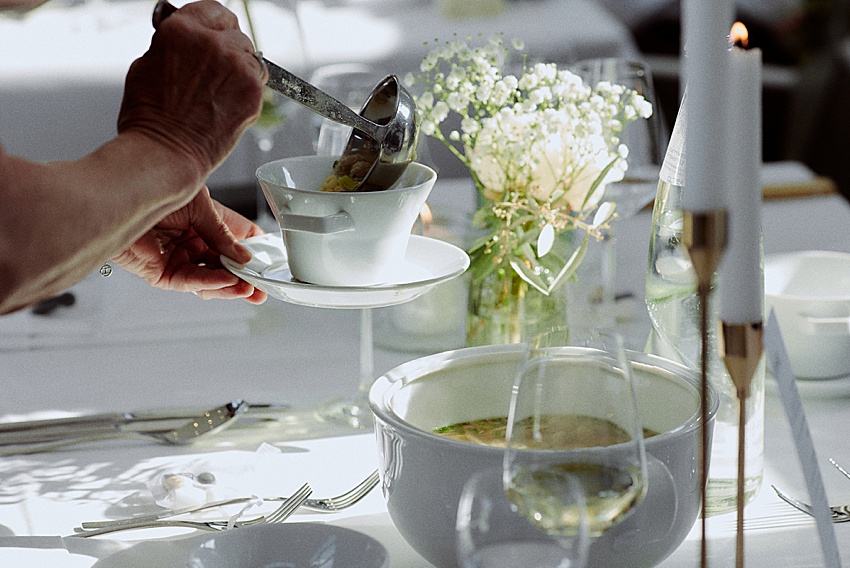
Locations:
423 471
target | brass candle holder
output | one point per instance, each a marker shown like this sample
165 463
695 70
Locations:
741 350
704 237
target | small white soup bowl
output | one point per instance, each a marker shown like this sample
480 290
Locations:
810 294
342 238
423 473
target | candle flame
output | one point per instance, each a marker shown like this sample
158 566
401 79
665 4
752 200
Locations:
739 35
425 215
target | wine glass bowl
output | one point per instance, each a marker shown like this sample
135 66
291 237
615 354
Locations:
644 138
646 142
574 414
424 472
490 534
349 83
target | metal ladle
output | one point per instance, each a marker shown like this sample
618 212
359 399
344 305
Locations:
384 134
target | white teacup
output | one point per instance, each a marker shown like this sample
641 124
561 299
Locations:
810 293
342 238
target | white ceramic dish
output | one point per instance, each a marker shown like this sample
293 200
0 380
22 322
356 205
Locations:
294 545
423 473
342 238
427 263
810 293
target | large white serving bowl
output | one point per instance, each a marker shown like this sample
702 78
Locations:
810 294
423 473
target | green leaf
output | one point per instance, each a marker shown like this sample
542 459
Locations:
528 274
597 181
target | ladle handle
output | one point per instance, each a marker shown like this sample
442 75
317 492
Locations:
318 101
297 89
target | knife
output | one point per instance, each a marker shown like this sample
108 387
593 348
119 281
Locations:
209 422
146 421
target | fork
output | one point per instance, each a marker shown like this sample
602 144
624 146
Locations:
840 514
279 515
324 505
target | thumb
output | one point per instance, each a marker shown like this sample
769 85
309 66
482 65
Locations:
212 228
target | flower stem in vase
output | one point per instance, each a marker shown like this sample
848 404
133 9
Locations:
504 308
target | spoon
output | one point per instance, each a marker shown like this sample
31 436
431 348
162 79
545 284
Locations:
209 422
384 133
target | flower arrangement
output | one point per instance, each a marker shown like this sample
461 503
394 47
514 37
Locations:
540 146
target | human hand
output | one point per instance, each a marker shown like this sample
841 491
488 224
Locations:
198 87
181 252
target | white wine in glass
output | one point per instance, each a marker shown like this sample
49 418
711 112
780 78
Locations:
574 415
491 534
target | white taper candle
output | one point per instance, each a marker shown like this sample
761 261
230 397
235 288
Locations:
706 28
740 275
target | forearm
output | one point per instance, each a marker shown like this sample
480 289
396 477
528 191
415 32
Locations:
61 220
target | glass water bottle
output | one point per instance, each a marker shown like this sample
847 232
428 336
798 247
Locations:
674 312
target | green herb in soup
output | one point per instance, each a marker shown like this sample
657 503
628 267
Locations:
561 431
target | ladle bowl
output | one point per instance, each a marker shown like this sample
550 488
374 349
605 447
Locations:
391 106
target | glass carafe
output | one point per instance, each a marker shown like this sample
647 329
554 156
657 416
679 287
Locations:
674 312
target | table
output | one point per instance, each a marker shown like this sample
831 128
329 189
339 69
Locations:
63 65
129 346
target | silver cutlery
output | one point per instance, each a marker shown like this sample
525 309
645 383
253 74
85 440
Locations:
208 422
324 505
843 471
840 514
160 420
279 515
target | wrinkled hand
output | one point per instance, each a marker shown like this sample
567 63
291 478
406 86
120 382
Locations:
181 252
198 87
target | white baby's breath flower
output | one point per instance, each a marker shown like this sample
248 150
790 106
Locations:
540 144
440 111
426 101
470 125
428 127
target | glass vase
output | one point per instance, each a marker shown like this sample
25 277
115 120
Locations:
504 308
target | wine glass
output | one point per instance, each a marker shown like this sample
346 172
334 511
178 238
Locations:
574 413
350 84
490 534
645 138
271 120
646 143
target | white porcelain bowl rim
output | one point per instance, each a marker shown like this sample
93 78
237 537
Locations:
417 169
383 389
776 258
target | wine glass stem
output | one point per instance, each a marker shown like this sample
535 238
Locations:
367 363
609 269
608 276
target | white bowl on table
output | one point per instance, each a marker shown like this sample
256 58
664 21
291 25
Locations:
289 544
810 294
423 473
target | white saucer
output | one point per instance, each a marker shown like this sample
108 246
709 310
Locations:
427 263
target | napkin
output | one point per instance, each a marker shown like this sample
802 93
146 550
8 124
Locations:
124 309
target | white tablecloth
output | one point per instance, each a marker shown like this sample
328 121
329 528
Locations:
306 356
